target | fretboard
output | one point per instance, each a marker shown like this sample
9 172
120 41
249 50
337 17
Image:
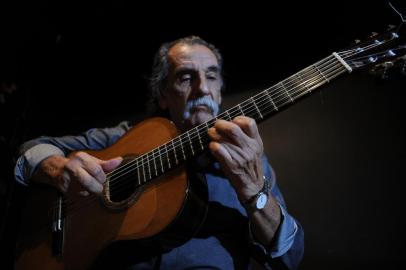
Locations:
264 104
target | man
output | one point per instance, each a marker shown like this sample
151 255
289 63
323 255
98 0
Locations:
186 85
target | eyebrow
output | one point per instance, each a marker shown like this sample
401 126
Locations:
212 68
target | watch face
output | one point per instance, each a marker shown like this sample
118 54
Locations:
261 201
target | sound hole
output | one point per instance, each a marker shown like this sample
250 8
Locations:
124 182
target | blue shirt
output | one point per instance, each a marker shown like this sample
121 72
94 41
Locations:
225 240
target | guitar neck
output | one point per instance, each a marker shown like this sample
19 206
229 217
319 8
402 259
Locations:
286 92
259 107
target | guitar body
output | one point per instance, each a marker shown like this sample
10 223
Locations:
159 210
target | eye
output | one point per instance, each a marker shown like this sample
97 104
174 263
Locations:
211 75
186 77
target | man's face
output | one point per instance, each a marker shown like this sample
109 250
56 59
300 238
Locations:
193 92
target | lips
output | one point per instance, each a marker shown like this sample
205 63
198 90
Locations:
201 108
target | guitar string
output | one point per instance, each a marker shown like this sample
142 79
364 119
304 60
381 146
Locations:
124 183
192 136
343 54
287 99
191 132
146 159
306 81
195 134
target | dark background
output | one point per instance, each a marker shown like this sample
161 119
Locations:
339 154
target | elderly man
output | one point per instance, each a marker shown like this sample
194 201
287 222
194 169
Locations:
247 217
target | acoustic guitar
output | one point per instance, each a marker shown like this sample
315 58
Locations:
149 197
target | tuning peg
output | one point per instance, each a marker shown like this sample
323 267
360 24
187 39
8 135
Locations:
391 27
390 53
357 41
374 34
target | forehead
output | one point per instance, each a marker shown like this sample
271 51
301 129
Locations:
192 56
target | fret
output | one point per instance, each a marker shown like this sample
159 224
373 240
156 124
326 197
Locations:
174 151
167 156
181 146
149 167
271 100
286 90
160 159
256 107
321 73
138 171
154 159
242 112
229 117
143 170
200 140
190 141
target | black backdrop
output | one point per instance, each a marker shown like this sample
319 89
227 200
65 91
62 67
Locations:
338 154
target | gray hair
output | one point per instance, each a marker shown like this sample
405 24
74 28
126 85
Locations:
160 67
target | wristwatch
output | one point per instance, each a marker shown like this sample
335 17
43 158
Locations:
259 200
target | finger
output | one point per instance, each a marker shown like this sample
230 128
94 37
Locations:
220 153
111 164
215 136
89 163
92 166
231 131
64 181
248 125
88 182
97 167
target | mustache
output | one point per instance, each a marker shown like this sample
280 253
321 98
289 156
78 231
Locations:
206 101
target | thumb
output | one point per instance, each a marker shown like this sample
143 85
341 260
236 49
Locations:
111 164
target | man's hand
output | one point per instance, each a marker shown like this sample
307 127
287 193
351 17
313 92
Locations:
88 171
238 147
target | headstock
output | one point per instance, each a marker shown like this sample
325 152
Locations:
379 52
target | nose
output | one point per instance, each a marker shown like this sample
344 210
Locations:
202 86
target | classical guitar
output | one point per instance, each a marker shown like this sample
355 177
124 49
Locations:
149 196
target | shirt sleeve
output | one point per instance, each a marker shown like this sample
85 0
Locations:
287 247
34 151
